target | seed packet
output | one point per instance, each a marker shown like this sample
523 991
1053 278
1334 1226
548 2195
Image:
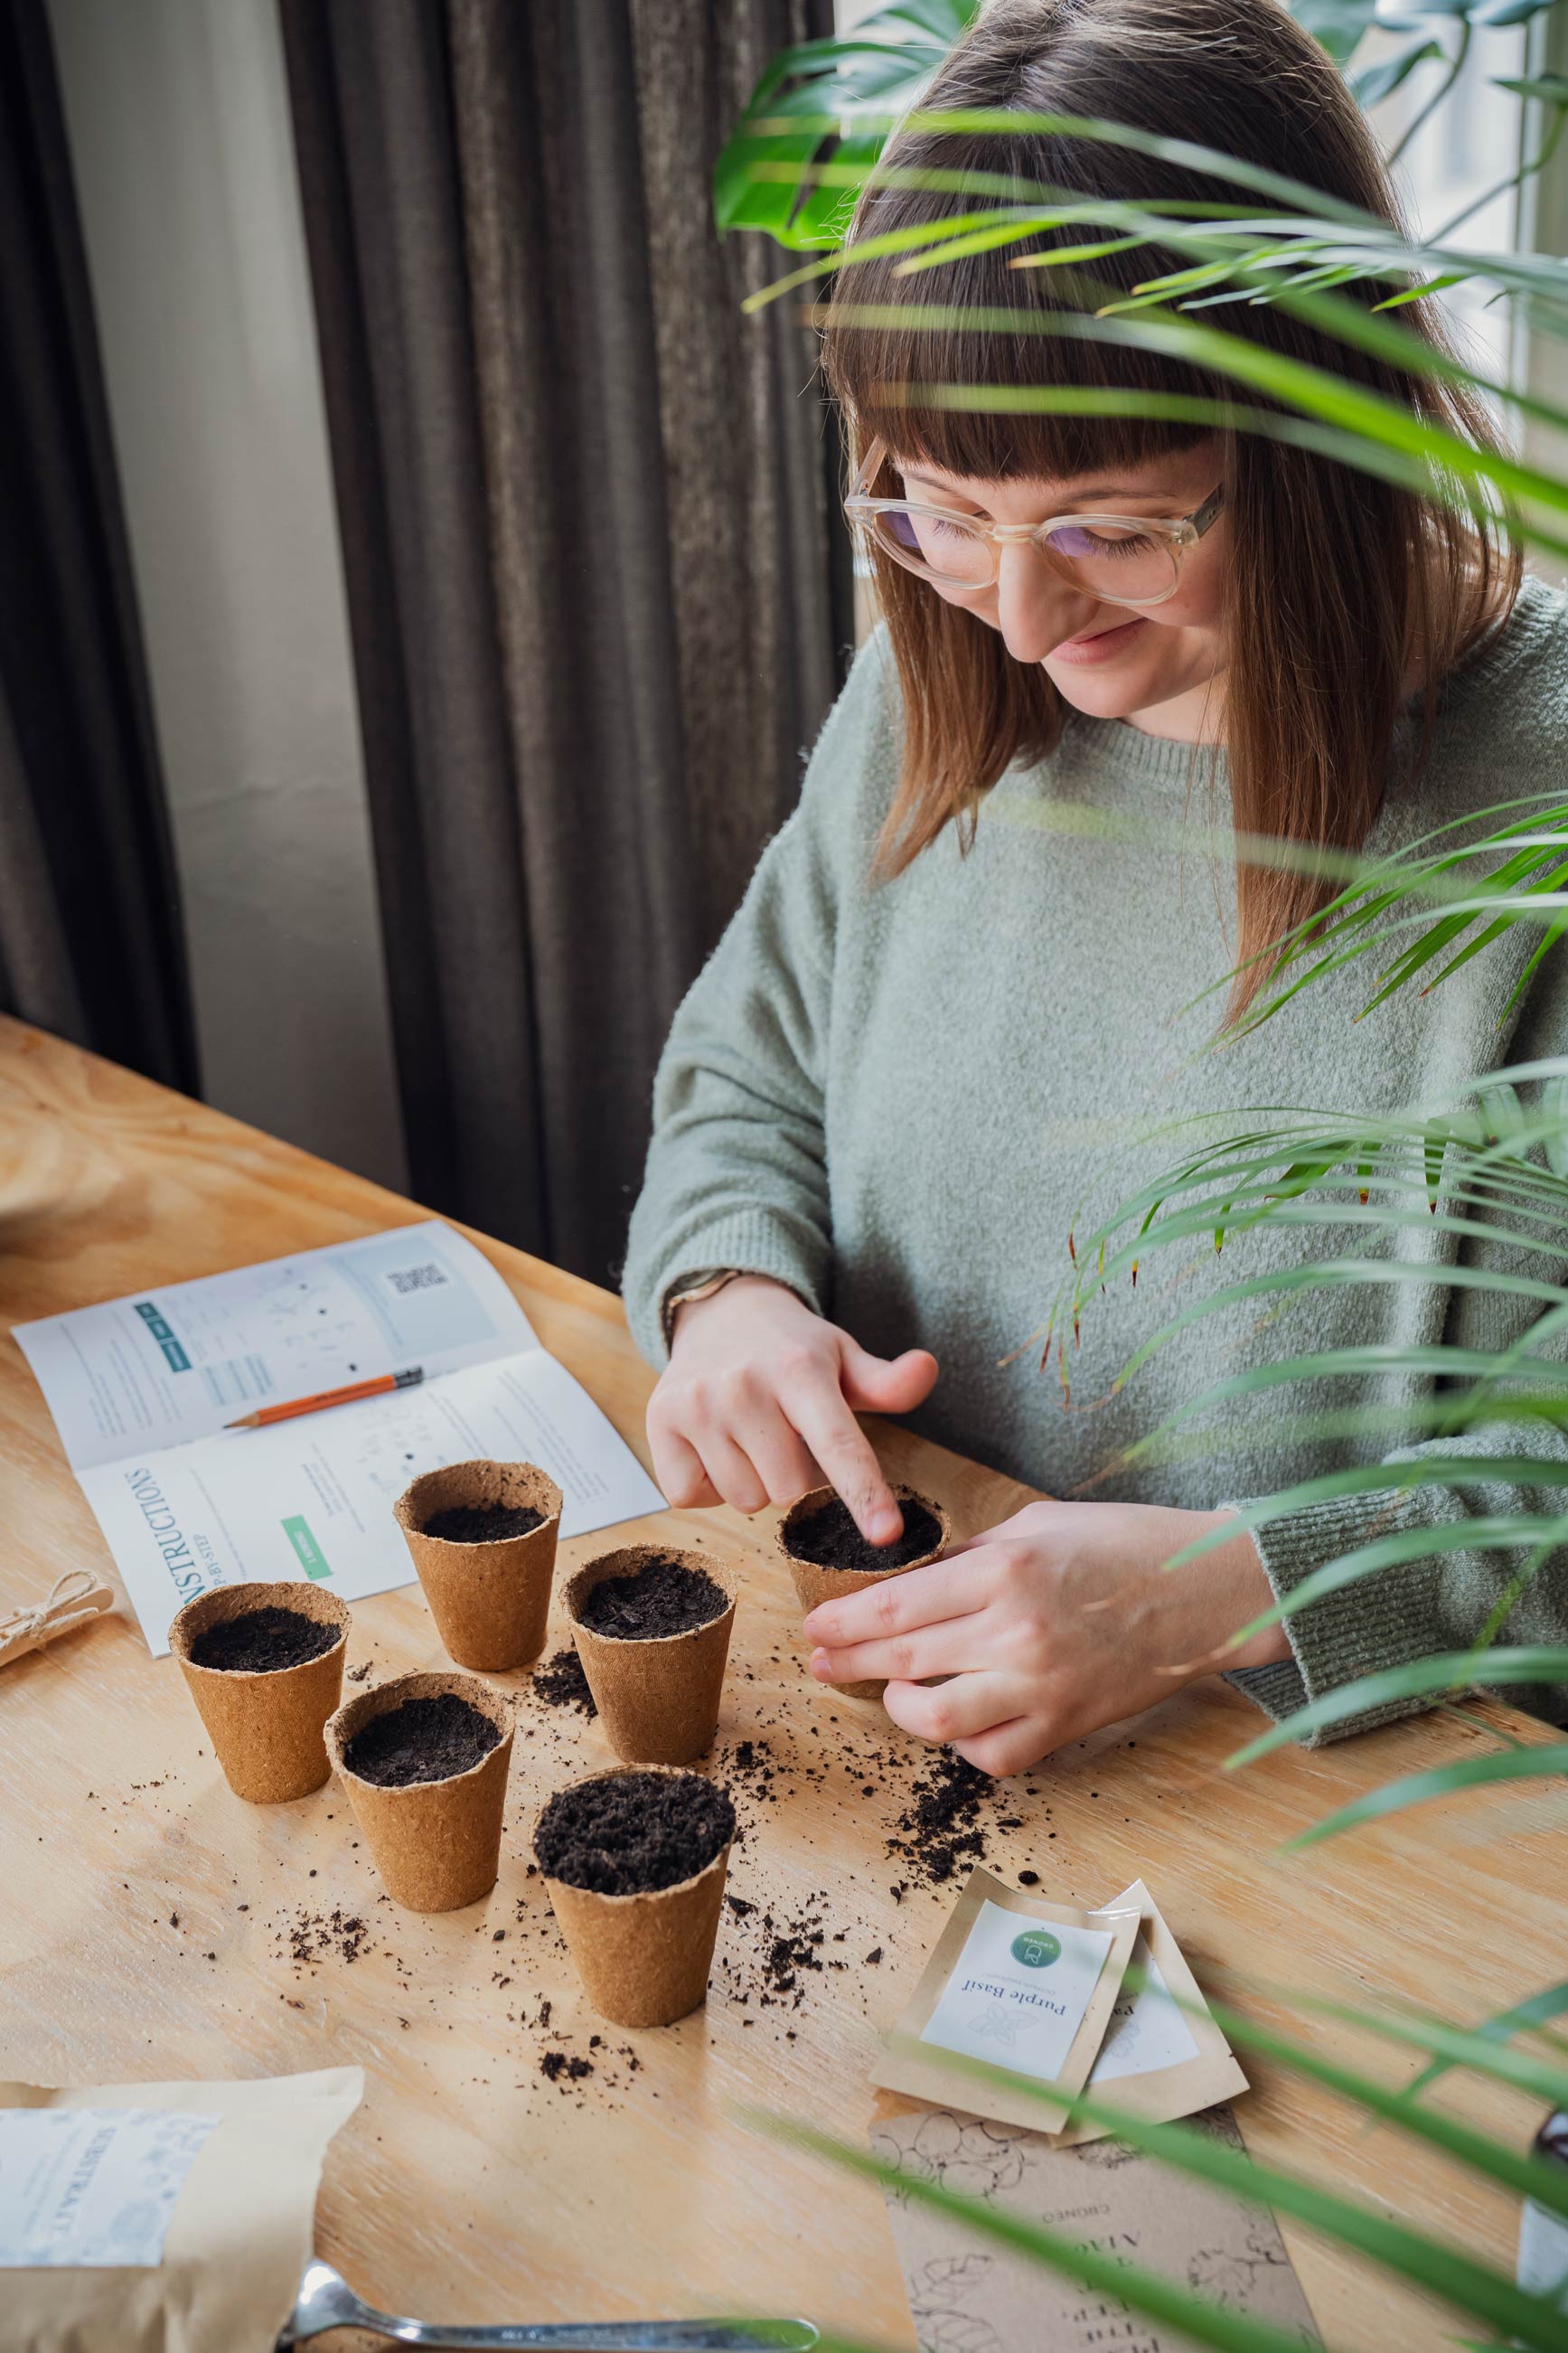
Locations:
1162 2056
161 2217
1015 1984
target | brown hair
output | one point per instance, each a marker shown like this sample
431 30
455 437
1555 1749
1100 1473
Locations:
1341 586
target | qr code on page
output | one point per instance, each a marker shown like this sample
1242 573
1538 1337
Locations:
404 1279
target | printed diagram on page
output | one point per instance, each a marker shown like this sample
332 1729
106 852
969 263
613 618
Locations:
967 2296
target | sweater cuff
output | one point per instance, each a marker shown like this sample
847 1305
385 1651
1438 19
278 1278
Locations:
1374 1622
753 1242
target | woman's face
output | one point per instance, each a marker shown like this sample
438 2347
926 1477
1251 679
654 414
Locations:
1155 668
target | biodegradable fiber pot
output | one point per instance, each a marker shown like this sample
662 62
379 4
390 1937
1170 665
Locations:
657 1696
266 1727
644 1960
437 1845
813 1583
490 1600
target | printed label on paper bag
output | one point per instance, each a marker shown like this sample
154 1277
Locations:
92 2187
1018 1993
1147 2029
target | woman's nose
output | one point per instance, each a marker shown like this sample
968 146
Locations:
1036 608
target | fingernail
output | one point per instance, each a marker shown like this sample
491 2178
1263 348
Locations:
886 1527
821 1667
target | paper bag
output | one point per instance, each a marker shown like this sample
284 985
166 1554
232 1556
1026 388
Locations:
161 2217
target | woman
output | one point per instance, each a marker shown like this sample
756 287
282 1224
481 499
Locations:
886 1101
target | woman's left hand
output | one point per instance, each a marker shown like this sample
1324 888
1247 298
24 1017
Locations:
1060 1620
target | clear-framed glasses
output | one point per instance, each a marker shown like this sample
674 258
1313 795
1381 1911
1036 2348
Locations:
1119 559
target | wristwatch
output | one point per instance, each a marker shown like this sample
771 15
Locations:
701 1285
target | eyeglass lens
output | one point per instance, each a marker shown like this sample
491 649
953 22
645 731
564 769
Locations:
1104 560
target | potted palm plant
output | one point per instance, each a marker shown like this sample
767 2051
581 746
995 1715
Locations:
1494 1157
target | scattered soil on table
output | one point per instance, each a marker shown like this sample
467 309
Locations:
423 1740
483 1523
662 1598
631 1833
554 2064
942 1825
312 1937
752 1763
260 1641
359 1674
829 1538
561 1682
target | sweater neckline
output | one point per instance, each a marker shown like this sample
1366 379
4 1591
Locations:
1119 750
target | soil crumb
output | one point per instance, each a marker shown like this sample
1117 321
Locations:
259 1642
483 1523
423 1740
558 2064
663 1596
829 1538
941 1827
311 1936
561 1682
630 1833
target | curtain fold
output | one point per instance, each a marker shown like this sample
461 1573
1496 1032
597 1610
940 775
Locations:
91 943
596 581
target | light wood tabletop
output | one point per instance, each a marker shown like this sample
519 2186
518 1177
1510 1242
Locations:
155 1927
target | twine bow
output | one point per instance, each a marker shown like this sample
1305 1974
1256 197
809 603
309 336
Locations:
76 1594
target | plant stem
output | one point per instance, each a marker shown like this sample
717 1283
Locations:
1515 179
1422 113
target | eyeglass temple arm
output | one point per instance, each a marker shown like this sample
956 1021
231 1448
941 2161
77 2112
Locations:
1201 517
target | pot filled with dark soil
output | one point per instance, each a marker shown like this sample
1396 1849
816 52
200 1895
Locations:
652 1629
634 1860
828 1557
424 1759
264 1663
482 1538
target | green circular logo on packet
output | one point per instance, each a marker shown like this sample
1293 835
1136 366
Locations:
1037 1948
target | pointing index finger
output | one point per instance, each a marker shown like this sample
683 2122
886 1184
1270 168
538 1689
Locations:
847 1456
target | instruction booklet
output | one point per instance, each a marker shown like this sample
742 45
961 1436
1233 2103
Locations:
140 1389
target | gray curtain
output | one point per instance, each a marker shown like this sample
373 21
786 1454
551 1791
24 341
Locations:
91 945
597 584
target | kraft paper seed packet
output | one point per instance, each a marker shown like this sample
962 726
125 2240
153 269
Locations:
1017 1988
1163 2056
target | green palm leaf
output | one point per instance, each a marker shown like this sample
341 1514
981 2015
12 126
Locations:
1536 2010
1548 1762
1431 2265
1172 2306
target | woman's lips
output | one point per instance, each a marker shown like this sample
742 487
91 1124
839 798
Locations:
1084 652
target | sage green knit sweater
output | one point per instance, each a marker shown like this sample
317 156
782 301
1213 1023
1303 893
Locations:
900 1099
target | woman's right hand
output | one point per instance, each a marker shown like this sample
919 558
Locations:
757 1405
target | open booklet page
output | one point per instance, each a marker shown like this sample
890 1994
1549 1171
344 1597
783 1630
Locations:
140 1389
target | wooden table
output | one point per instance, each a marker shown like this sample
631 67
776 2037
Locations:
470 2187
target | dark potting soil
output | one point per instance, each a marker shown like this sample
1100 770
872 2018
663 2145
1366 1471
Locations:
483 1523
561 1682
423 1740
942 1826
259 1642
829 1538
630 1833
663 1596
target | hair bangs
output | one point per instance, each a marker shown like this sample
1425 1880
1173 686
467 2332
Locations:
884 368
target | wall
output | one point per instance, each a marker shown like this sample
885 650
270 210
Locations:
178 118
